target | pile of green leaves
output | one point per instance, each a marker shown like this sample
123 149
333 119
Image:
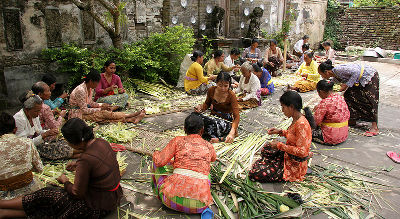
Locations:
158 56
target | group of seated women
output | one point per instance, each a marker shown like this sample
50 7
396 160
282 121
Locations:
182 168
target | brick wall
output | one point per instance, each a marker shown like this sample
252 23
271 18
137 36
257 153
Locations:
371 27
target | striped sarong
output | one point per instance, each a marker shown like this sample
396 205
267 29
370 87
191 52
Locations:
186 205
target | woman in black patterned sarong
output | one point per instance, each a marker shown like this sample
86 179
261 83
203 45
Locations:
225 110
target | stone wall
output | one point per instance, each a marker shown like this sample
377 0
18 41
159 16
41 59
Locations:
370 27
28 27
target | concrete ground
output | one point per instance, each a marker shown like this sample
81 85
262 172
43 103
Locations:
358 152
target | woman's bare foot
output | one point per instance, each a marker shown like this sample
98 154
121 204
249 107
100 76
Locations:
139 117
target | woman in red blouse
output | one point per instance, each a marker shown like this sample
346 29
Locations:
331 116
110 89
286 161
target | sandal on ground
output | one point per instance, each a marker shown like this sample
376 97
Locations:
370 134
393 156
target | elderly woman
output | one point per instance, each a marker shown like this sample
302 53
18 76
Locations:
95 192
248 88
361 85
225 110
273 58
18 158
52 149
195 82
86 108
46 116
50 80
110 89
28 125
252 53
309 71
216 64
28 122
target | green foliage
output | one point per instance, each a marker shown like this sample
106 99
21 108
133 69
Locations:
378 3
332 29
281 35
207 48
75 61
160 55
169 49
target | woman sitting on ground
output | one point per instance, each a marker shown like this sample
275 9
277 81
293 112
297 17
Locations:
50 80
361 85
110 89
223 104
188 188
273 58
252 53
331 116
53 149
286 161
267 86
87 109
95 191
19 158
46 115
309 71
195 82
248 88
28 122
216 64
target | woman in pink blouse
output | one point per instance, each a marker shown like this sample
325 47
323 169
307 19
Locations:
331 116
110 89
84 107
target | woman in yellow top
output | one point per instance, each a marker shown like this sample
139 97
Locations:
195 82
309 71
216 64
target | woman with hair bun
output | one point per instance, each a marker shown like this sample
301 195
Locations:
195 82
216 65
85 108
287 161
360 84
331 116
95 192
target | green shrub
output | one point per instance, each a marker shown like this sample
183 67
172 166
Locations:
332 29
168 49
159 55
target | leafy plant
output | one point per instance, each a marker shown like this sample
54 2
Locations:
332 29
380 3
168 49
158 56
281 34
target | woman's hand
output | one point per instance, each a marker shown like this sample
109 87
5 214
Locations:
121 90
51 132
274 144
212 77
105 106
62 179
63 113
343 87
230 137
198 108
273 131
71 166
64 95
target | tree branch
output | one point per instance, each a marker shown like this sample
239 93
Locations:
108 6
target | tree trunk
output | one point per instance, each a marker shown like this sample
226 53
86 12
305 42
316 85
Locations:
116 40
